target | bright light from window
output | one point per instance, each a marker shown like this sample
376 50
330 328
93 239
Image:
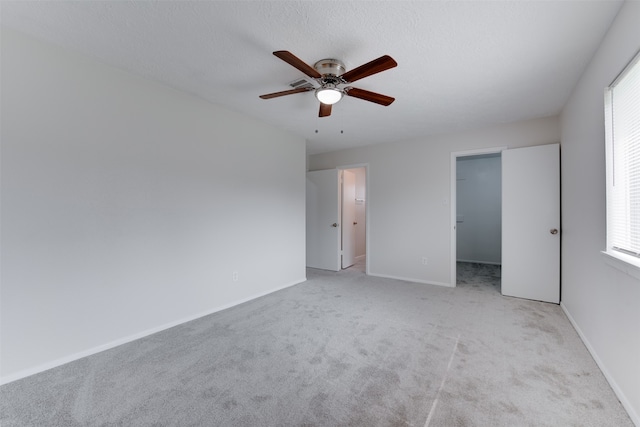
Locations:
622 121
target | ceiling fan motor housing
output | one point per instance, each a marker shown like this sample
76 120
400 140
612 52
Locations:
330 67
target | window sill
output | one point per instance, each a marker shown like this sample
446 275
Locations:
625 263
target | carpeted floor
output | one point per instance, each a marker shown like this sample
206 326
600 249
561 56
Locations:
340 349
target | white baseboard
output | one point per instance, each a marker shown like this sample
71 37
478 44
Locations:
79 355
479 262
612 382
410 279
360 257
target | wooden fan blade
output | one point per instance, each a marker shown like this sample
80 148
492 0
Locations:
285 92
325 110
376 66
370 96
294 61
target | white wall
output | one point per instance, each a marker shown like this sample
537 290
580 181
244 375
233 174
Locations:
479 209
603 302
126 206
408 194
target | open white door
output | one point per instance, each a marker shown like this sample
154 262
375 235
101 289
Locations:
348 218
531 223
323 219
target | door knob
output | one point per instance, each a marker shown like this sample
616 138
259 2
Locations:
553 231
335 224
355 223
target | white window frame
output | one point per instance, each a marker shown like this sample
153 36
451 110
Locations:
616 256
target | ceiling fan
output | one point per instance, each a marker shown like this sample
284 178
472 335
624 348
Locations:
331 77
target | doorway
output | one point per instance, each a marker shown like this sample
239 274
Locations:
332 230
476 204
530 221
478 219
354 218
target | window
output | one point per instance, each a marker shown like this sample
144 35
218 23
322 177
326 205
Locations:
622 126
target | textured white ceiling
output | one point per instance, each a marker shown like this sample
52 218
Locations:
461 64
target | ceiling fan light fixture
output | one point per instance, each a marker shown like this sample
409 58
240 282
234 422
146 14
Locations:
329 95
330 75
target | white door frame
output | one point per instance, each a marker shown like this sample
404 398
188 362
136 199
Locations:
453 185
366 207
